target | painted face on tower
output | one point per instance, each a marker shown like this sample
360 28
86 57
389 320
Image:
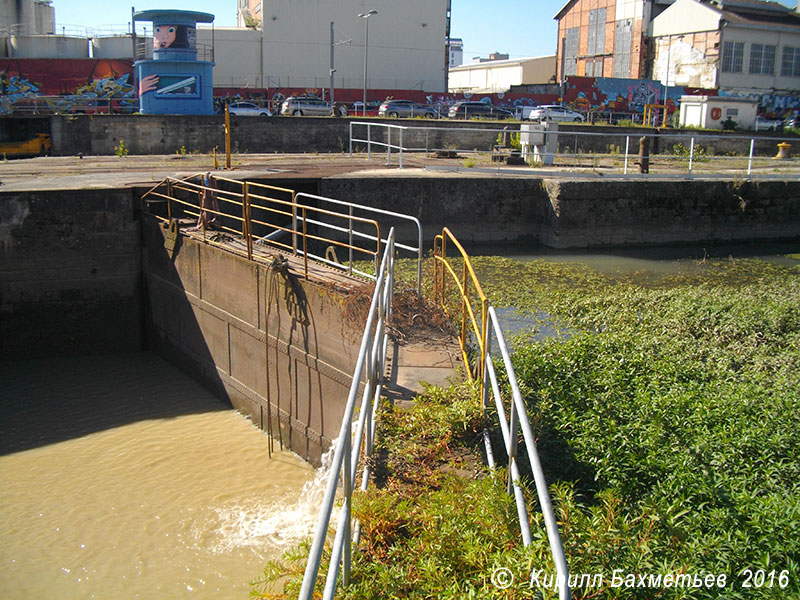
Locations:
164 35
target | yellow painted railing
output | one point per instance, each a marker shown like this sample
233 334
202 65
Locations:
239 208
470 293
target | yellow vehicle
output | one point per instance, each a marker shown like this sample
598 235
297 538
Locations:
37 146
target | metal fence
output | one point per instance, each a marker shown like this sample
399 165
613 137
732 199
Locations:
481 368
353 234
370 363
255 214
676 152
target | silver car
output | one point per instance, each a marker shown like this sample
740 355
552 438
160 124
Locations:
248 109
305 106
551 112
406 108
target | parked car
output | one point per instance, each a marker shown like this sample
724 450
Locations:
247 109
305 106
765 124
478 110
552 112
406 108
357 108
792 122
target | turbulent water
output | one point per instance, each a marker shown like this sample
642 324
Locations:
121 477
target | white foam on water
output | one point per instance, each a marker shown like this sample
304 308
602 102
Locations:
261 523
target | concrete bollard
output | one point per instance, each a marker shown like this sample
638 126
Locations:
783 151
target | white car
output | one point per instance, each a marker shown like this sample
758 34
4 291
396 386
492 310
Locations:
247 109
765 124
551 112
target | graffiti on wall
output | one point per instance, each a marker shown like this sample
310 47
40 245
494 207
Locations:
621 95
769 104
70 85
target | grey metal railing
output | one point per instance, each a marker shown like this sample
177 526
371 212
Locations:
510 428
352 233
681 151
370 363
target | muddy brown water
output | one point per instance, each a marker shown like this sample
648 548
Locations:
121 477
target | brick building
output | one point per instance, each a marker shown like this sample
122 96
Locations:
606 38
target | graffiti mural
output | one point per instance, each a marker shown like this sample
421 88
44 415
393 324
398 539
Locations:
769 105
63 85
69 85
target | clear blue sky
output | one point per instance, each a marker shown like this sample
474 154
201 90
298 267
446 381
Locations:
515 27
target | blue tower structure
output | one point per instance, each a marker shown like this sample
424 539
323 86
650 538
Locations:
175 82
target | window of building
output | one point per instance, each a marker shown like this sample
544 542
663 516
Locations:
732 57
569 48
622 48
762 59
594 67
790 62
597 31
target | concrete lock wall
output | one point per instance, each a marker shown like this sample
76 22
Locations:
254 336
69 273
81 272
156 134
564 213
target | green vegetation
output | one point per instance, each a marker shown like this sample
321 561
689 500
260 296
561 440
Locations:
699 153
667 415
672 404
121 150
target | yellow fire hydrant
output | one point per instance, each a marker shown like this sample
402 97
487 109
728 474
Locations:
783 151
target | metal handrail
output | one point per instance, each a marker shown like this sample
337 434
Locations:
440 266
748 150
247 203
487 378
510 432
378 212
372 360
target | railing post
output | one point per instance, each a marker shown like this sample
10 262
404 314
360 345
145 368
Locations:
350 152
513 432
347 484
350 240
305 244
388 145
627 145
169 201
444 259
401 148
294 224
750 159
369 141
691 154
427 131
484 335
246 223
464 312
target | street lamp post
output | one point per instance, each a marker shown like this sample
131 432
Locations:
366 17
666 77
